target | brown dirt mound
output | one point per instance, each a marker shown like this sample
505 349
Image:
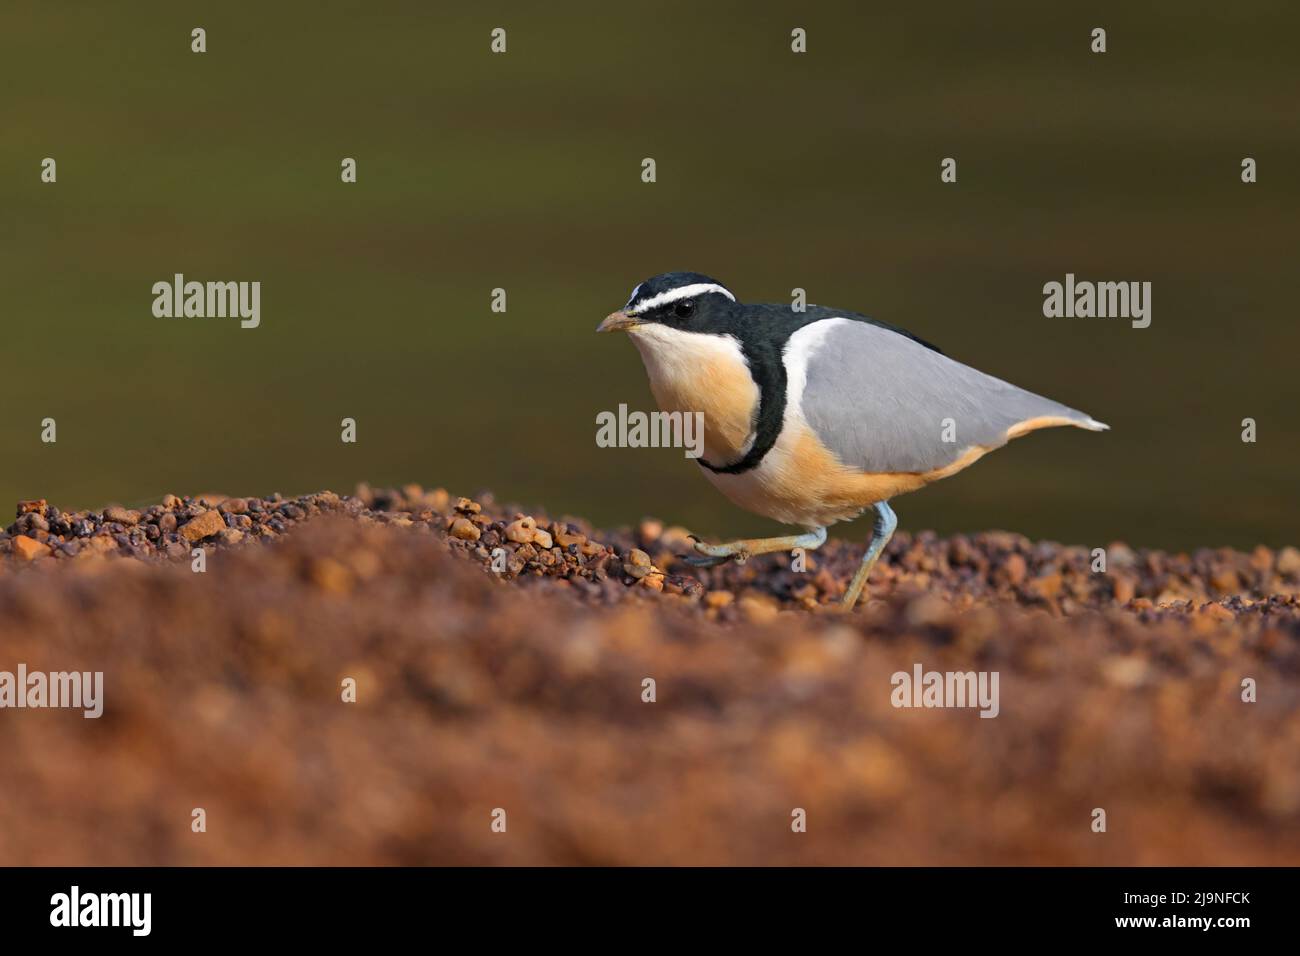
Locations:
523 690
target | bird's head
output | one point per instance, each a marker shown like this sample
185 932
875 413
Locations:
685 301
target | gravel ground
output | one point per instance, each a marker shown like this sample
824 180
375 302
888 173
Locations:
520 687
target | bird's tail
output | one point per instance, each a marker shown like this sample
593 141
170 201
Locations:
1077 419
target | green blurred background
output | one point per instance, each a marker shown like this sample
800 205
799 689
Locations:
522 170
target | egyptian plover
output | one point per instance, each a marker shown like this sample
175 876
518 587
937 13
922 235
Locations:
812 417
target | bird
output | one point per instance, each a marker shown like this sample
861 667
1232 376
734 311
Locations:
815 415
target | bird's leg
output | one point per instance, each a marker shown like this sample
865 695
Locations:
740 551
882 529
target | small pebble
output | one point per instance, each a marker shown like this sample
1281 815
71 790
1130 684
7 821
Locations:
465 530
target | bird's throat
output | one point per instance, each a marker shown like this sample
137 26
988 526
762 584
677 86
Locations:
696 372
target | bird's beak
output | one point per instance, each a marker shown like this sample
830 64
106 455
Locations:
617 321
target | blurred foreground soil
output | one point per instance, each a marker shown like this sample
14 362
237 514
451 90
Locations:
516 682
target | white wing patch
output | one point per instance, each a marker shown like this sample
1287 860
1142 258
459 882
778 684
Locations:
798 352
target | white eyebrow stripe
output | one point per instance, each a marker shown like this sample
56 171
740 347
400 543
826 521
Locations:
632 297
672 295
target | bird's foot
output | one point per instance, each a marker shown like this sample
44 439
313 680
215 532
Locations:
711 555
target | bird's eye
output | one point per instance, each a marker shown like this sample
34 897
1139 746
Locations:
685 310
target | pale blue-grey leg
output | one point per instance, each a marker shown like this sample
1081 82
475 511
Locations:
882 529
740 551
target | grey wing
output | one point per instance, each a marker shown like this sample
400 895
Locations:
885 403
